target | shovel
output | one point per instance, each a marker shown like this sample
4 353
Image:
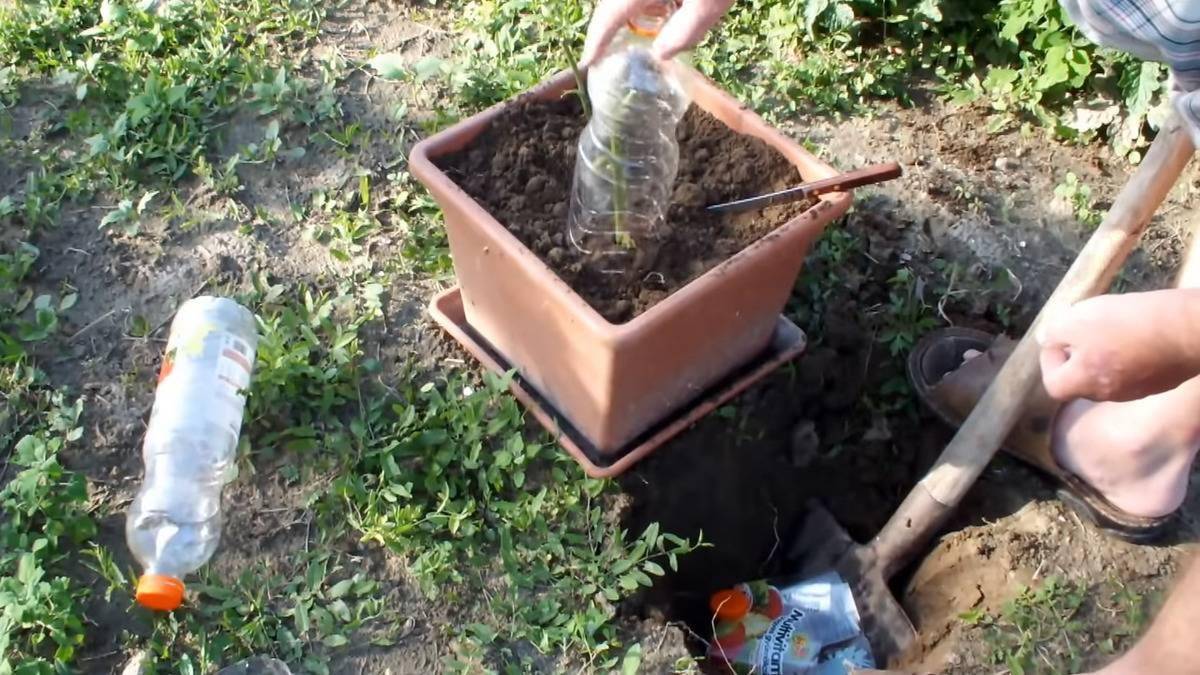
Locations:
824 545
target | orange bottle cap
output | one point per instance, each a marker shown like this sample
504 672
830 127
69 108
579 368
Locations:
652 18
730 604
159 592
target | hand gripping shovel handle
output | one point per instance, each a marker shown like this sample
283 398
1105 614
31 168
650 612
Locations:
932 500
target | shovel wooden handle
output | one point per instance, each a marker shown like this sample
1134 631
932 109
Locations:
933 499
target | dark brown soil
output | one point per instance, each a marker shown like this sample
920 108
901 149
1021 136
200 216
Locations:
521 168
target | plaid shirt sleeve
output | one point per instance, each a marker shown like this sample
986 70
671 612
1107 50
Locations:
1153 30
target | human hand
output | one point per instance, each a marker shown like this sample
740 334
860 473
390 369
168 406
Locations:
683 30
1122 347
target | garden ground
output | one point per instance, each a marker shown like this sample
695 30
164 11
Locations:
394 512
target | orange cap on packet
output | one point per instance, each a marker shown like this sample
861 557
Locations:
159 592
730 604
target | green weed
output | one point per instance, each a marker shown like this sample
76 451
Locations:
426 249
907 315
44 520
447 480
511 45
299 611
310 366
1079 196
837 253
1034 630
784 56
1043 630
443 475
144 91
43 506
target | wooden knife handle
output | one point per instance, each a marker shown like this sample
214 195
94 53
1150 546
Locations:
876 173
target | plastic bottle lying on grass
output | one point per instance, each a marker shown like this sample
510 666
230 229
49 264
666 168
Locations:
174 524
789 628
628 154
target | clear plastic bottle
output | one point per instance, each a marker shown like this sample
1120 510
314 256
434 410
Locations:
174 524
628 154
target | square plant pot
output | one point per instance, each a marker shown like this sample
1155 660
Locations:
613 382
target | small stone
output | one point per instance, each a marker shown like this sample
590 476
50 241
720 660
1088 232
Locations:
556 255
137 664
257 665
649 297
621 310
879 431
689 194
700 155
1005 164
560 210
535 185
806 444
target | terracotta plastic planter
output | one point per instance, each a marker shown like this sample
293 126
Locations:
615 382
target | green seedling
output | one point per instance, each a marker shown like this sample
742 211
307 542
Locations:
1079 195
1044 629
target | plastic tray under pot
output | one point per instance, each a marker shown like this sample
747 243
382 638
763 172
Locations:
787 342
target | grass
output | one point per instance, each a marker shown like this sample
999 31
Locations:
1019 58
434 472
45 518
1054 628
139 96
441 475
302 610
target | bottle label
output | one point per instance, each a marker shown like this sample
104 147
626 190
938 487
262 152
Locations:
204 377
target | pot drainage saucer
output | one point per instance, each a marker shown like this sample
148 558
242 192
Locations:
787 343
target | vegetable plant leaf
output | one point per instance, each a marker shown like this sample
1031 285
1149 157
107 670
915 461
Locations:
389 66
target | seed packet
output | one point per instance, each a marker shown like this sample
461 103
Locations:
788 628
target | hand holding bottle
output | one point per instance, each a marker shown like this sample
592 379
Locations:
686 27
628 154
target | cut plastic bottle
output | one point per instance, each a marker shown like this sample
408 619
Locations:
174 525
628 154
